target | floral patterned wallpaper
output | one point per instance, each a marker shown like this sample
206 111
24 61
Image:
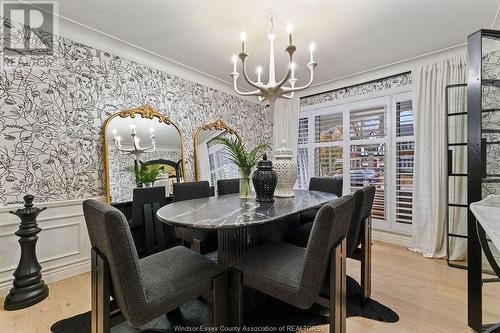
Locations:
358 90
51 118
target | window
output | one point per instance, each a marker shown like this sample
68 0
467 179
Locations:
367 124
368 167
368 142
405 154
221 167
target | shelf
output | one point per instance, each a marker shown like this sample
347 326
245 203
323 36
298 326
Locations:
491 181
490 110
490 130
457 114
458 236
491 82
458 205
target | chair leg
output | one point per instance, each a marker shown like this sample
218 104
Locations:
196 245
220 295
236 298
338 289
366 261
100 315
493 329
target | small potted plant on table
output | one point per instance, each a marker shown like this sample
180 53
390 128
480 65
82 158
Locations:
244 159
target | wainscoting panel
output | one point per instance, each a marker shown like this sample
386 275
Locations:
63 246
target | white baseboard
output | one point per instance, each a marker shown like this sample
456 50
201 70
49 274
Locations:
391 238
54 274
63 248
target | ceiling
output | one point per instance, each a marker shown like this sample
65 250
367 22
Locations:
351 35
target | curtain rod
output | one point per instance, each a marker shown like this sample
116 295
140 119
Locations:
357 84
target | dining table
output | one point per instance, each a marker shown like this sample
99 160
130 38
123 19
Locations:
241 224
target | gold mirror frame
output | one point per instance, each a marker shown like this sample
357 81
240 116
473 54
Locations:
216 125
147 112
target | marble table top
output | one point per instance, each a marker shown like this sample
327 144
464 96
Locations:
229 211
487 213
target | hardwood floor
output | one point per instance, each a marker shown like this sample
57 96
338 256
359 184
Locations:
429 297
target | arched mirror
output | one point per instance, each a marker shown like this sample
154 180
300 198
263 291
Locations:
211 160
142 148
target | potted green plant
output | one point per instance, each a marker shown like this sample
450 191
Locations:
146 174
244 159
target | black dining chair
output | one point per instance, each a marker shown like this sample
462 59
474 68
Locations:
143 289
358 236
199 240
228 186
149 234
326 184
299 276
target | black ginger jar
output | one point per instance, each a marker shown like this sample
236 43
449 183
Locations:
264 181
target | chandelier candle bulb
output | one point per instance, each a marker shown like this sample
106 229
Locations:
312 47
243 37
289 29
259 72
235 59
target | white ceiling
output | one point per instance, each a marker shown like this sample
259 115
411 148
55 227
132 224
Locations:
351 35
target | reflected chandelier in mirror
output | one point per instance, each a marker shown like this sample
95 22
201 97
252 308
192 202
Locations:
142 148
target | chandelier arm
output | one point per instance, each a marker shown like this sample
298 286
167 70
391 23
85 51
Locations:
245 74
289 96
311 66
287 76
249 93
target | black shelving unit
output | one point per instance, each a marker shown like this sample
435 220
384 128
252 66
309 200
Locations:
483 141
456 208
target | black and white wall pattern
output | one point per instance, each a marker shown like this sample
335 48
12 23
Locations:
51 118
358 90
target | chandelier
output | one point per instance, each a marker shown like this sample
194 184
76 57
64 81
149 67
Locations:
272 90
135 149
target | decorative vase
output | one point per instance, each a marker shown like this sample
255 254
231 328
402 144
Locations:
163 181
286 169
245 187
148 184
264 181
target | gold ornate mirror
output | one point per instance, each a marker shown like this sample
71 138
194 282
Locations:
141 148
210 159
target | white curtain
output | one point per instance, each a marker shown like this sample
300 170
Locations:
430 173
286 123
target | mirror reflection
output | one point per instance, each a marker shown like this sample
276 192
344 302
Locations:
211 159
144 149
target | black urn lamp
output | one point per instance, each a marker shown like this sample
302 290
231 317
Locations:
29 287
264 180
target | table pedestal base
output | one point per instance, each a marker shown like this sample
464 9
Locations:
233 243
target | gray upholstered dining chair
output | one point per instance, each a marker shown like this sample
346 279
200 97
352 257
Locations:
358 236
359 240
143 289
228 186
326 184
198 239
298 275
